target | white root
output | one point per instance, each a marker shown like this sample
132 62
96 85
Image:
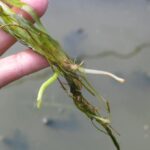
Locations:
100 72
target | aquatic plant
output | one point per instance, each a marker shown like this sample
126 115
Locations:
112 53
35 36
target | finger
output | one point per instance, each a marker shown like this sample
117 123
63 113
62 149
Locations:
7 40
19 65
39 6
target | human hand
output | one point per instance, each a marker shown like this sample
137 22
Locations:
25 62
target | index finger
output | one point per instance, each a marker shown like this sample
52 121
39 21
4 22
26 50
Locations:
6 40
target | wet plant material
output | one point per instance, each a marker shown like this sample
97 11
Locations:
111 53
36 37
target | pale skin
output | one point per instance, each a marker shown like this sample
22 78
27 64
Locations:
24 62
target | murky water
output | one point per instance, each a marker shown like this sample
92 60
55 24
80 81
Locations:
85 27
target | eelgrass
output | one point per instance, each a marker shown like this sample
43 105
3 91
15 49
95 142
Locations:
36 37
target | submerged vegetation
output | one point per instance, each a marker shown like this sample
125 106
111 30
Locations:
35 36
113 53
